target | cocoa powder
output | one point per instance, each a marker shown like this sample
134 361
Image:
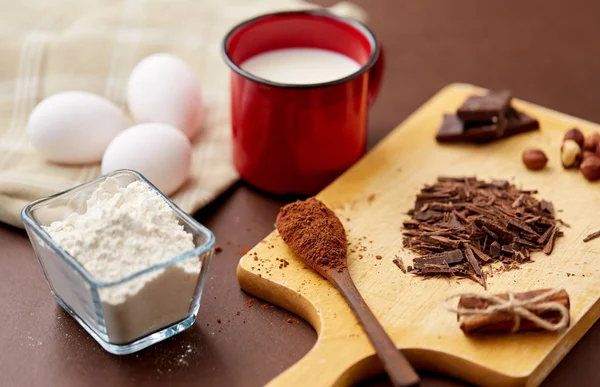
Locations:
314 233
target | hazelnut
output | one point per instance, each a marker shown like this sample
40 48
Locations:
570 154
575 135
590 168
591 142
534 159
587 154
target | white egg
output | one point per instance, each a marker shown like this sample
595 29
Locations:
160 152
162 88
74 127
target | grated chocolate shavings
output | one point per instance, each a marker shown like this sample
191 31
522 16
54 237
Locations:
460 224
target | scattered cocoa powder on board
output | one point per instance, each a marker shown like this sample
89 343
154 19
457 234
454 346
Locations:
314 233
283 263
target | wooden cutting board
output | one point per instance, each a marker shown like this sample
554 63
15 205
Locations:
372 199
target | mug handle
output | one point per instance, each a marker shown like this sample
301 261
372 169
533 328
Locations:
375 76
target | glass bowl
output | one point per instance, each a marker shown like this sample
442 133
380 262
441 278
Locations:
149 316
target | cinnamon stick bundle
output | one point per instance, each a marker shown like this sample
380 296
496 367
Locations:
543 309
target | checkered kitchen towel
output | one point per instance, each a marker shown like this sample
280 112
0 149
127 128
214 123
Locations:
48 47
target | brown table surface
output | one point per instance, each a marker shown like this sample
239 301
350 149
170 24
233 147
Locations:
545 52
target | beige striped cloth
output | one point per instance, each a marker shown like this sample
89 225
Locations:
48 47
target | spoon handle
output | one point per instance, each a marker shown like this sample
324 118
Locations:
397 367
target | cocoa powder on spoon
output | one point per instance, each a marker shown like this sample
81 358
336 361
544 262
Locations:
315 233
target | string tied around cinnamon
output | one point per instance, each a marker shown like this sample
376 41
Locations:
529 309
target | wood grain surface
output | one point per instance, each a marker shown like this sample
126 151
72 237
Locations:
372 199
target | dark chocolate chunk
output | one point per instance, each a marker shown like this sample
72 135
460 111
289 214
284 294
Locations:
441 241
452 223
525 242
490 233
433 196
427 215
495 249
485 108
547 206
519 122
550 244
523 226
447 257
435 269
471 258
487 131
485 118
496 230
480 254
410 223
545 235
453 130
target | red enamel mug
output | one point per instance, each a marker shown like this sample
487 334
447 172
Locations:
297 138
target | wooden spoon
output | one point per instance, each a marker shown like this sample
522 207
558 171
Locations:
317 236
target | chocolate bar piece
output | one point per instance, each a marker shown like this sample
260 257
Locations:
485 131
519 122
454 130
485 108
451 130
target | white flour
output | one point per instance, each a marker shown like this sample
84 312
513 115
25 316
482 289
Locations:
123 231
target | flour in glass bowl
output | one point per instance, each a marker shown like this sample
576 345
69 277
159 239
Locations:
125 230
